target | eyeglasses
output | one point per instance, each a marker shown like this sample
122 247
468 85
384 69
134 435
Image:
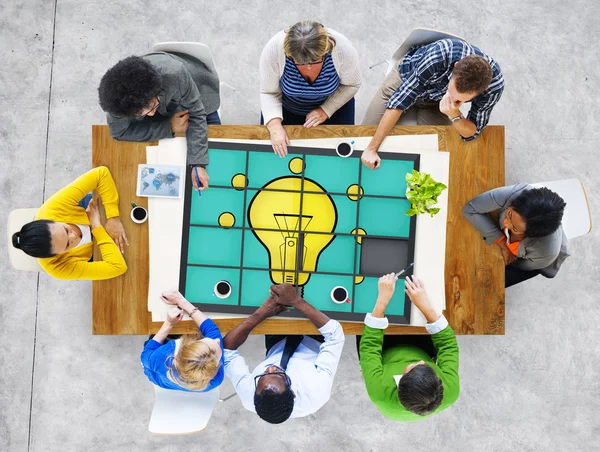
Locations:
308 64
149 111
288 381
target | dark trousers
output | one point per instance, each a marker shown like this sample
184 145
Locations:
344 116
213 118
514 275
423 341
272 339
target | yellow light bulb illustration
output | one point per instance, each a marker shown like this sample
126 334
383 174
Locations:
290 244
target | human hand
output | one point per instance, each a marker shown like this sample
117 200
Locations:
202 175
174 315
415 289
285 294
179 121
114 227
507 255
449 108
93 213
386 287
370 158
271 308
174 297
315 117
279 138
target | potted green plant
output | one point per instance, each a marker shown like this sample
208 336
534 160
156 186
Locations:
422 191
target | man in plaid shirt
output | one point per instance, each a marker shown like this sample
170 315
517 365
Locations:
433 81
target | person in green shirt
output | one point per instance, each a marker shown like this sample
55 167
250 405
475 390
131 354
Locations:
408 378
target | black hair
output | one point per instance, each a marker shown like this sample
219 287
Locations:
34 239
273 406
421 391
542 210
129 86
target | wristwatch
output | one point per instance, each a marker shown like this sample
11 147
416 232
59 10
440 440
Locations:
458 118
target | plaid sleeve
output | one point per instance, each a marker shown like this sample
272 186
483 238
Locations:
480 111
406 94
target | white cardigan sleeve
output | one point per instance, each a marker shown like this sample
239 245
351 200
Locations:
345 60
272 63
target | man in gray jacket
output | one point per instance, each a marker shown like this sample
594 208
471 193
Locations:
528 231
157 95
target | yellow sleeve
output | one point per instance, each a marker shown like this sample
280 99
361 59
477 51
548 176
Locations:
112 263
98 179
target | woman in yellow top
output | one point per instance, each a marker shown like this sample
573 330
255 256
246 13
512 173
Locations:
61 235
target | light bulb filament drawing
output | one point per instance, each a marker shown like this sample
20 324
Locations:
293 227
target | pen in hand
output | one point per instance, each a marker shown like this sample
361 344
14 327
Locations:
198 181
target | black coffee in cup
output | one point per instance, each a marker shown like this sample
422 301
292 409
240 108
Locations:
139 213
340 294
344 149
223 288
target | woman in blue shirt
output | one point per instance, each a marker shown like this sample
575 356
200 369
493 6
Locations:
192 363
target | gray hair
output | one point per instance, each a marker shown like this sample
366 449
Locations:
307 41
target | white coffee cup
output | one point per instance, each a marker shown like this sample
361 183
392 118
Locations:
222 289
344 148
138 210
339 295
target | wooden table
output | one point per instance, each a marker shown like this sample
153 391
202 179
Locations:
474 271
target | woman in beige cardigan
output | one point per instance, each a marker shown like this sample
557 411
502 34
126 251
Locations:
308 76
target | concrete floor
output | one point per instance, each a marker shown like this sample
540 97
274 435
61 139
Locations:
62 389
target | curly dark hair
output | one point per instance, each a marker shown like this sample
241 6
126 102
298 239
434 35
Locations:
421 391
472 74
129 86
272 406
542 210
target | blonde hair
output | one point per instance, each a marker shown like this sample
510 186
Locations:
307 41
195 364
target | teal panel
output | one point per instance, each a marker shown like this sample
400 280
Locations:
200 283
266 166
338 256
384 216
255 287
255 254
388 180
346 214
366 295
214 202
224 164
333 173
215 246
317 292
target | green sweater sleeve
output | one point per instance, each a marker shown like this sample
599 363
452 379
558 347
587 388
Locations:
447 361
371 362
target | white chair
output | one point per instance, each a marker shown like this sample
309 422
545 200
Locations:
417 37
577 218
196 50
179 412
17 258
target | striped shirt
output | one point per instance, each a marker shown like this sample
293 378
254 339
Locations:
426 72
301 97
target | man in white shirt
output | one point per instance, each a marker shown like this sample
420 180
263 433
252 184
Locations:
296 377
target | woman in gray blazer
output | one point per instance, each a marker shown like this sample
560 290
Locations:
528 231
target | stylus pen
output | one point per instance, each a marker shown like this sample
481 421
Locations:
198 181
408 267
